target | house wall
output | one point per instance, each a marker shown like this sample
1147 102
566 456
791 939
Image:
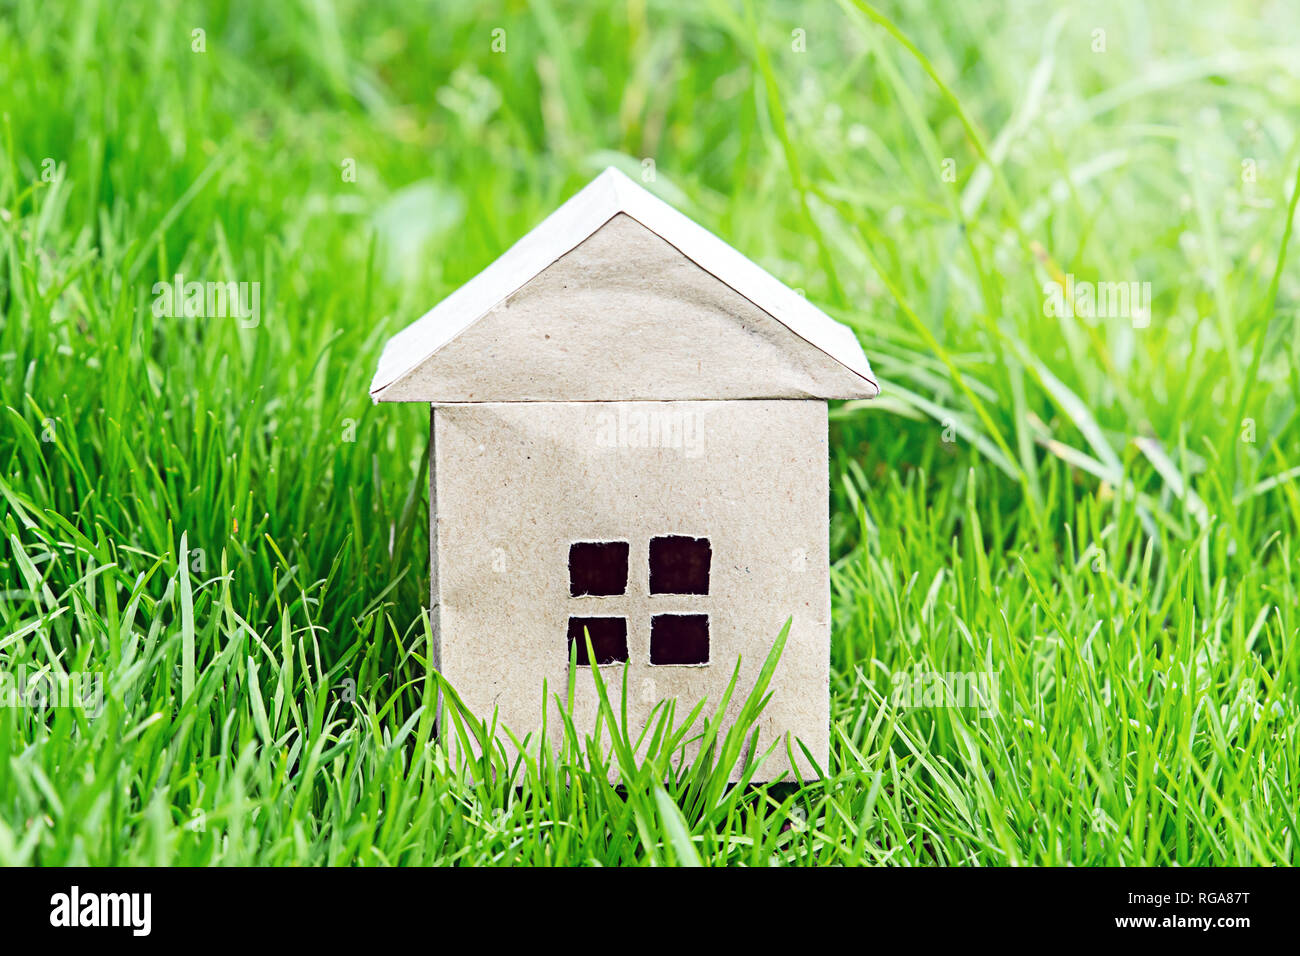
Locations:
515 484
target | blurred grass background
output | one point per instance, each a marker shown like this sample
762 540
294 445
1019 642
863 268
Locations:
1102 511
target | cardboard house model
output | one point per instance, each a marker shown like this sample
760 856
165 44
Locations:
629 438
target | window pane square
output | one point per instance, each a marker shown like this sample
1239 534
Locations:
679 639
679 565
597 568
608 638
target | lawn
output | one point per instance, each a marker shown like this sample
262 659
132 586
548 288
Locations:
1090 506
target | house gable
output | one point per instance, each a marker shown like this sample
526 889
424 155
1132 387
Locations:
618 297
626 317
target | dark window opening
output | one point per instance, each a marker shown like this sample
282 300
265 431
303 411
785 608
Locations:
679 565
679 639
608 639
597 568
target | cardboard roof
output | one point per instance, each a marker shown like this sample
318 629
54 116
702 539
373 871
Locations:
601 201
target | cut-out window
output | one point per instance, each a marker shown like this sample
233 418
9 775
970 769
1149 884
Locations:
679 639
608 638
597 568
679 565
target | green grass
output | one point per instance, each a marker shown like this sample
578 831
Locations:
217 520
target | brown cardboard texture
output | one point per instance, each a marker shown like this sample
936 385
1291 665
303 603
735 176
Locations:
518 485
633 280
629 442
